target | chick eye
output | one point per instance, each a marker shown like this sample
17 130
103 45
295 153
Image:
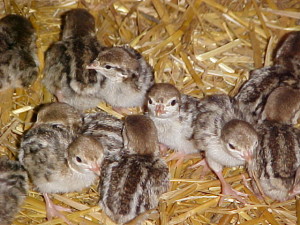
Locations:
107 67
78 159
150 101
173 102
231 146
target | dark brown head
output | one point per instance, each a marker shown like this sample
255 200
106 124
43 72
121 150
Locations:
140 135
17 30
288 53
77 23
163 100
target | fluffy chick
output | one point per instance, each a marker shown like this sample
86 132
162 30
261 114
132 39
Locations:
13 189
18 58
65 61
132 182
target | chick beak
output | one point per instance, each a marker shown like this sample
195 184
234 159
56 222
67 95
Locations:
247 156
93 66
96 169
159 109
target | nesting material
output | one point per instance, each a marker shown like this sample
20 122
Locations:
203 47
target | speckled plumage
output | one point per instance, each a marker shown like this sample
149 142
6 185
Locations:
106 128
13 189
253 95
174 123
224 135
125 76
132 181
276 160
65 61
18 53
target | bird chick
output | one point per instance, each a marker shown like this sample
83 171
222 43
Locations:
125 76
132 182
57 164
106 128
58 113
13 189
253 94
283 106
288 53
18 57
65 75
224 135
173 115
275 164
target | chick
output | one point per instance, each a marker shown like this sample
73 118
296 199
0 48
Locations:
56 158
125 77
65 75
18 57
174 115
132 181
275 164
224 135
13 189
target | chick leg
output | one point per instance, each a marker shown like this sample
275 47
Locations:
52 210
228 190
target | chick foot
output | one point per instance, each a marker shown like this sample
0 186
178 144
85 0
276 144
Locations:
228 190
53 210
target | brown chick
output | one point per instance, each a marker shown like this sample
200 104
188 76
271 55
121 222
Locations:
18 53
13 189
65 61
283 106
275 164
132 181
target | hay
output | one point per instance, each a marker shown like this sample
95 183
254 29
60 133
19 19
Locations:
204 47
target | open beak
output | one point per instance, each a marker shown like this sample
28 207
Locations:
96 169
93 66
159 109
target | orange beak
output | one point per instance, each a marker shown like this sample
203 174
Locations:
159 109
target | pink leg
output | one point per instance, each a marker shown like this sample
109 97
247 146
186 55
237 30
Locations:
163 149
52 210
206 169
228 190
59 96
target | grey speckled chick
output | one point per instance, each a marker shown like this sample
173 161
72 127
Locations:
126 76
253 95
288 53
18 59
65 62
13 189
276 161
174 116
106 128
56 159
132 182
283 106
225 137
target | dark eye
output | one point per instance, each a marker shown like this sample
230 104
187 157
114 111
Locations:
173 102
107 67
150 101
78 159
231 146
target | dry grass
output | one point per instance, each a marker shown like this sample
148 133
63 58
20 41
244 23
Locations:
203 47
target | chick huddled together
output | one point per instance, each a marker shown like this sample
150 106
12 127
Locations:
68 149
